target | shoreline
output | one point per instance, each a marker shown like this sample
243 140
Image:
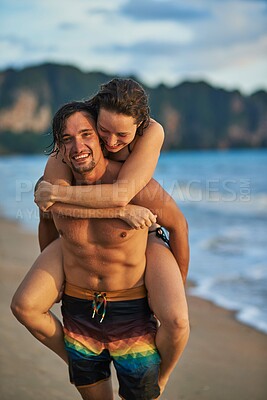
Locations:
224 359
191 284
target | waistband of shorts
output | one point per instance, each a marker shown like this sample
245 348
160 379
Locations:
134 293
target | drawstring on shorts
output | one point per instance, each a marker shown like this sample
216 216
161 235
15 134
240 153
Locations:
99 301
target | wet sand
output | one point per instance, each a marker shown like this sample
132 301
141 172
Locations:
224 360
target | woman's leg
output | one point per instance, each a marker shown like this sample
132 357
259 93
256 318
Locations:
35 296
167 300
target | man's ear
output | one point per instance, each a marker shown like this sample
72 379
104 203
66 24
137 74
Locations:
61 151
37 183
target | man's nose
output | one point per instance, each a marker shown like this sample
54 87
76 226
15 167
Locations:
78 144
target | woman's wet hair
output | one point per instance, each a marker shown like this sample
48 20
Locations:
123 96
60 119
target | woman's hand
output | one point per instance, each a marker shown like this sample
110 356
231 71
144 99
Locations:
137 217
43 196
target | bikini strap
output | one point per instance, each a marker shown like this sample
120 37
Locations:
129 148
161 234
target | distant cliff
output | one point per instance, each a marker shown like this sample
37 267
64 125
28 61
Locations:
194 115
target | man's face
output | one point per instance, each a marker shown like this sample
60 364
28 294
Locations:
81 148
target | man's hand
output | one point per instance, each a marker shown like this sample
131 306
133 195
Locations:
137 217
43 196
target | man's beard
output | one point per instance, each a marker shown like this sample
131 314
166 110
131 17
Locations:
83 169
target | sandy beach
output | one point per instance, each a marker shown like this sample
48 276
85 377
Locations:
224 360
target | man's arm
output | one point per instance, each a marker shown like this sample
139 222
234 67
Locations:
169 215
47 231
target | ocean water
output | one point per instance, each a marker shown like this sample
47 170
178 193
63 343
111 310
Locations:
223 195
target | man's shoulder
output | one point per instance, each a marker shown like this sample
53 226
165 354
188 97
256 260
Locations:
38 182
150 194
112 171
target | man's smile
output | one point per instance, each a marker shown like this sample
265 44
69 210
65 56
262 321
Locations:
81 157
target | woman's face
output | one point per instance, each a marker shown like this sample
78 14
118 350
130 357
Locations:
116 130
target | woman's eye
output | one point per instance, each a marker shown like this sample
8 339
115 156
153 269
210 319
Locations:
102 129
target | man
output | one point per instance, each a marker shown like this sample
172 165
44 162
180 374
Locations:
105 309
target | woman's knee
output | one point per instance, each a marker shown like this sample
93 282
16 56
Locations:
181 324
176 325
23 309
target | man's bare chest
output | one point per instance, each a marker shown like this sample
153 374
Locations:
102 232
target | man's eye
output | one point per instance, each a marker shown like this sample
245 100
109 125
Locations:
86 134
66 139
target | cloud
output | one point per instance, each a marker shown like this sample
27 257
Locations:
15 6
67 26
254 1
17 42
159 40
146 48
12 40
163 10
232 24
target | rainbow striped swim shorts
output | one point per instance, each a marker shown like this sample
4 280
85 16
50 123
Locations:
115 326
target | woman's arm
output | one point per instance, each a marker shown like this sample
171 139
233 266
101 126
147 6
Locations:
56 172
134 175
135 216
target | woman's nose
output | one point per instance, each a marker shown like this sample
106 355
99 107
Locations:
111 140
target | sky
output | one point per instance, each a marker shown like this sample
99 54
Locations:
223 42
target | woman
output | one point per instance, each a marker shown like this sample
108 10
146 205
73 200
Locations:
132 138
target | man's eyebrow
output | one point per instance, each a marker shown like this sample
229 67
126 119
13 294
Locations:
86 130
80 131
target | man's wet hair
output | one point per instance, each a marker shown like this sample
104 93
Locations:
61 116
123 96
